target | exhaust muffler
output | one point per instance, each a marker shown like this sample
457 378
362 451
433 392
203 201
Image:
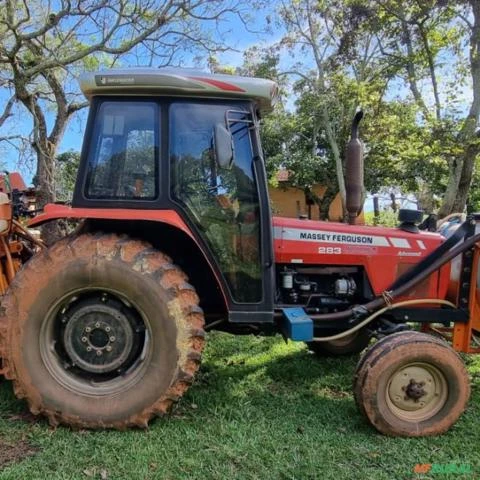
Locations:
354 172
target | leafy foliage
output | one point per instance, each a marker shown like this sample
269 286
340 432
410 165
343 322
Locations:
406 65
66 174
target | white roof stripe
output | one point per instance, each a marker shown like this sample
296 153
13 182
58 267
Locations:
179 82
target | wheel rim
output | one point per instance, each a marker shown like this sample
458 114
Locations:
416 391
95 342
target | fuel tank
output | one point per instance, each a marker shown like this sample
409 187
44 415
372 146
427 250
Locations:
383 253
448 228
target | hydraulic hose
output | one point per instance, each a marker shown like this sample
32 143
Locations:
399 290
372 317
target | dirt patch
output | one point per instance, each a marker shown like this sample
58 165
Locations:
331 392
24 416
15 452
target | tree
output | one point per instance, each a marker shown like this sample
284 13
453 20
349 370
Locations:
334 52
372 54
44 45
468 134
417 39
297 141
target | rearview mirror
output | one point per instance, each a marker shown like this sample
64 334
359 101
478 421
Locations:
223 146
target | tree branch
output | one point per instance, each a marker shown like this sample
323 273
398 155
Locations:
411 72
433 73
7 111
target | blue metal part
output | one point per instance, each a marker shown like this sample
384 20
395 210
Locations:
297 325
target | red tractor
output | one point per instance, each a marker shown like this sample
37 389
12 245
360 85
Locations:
105 328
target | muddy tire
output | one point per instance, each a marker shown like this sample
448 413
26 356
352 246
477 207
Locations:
351 345
411 384
101 331
370 355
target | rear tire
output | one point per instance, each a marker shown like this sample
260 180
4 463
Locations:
101 331
350 345
411 384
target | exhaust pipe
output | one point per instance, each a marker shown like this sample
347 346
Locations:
354 172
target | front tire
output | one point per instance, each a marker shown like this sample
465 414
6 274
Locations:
411 384
101 331
349 345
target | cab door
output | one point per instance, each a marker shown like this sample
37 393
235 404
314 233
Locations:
227 205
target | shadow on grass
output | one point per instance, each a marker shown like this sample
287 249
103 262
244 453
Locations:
248 379
285 384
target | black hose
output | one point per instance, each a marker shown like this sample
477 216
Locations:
459 233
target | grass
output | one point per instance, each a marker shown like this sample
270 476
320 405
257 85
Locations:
260 409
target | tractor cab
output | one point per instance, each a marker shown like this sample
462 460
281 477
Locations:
187 142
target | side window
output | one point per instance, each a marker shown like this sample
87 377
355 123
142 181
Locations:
123 157
222 202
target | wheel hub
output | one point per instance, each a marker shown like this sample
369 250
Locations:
416 391
99 337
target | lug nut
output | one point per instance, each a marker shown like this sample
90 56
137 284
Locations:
89 349
99 353
108 348
97 325
88 329
112 338
107 329
84 339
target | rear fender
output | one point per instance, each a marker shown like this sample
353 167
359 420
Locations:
165 229
56 212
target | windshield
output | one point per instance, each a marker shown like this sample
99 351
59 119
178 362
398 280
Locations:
223 202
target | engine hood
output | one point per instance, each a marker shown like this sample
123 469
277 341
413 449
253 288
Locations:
382 253
333 233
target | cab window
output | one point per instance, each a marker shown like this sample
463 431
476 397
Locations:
122 161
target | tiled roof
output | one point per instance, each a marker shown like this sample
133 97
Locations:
282 175
16 183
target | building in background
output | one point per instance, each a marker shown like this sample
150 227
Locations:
293 202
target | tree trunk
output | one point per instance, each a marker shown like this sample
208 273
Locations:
461 169
338 161
45 186
324 203
455 173
470 155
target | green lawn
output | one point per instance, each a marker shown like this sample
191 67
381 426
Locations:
259 409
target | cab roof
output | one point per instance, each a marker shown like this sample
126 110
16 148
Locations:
181 82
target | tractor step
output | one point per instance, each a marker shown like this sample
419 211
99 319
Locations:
297 325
